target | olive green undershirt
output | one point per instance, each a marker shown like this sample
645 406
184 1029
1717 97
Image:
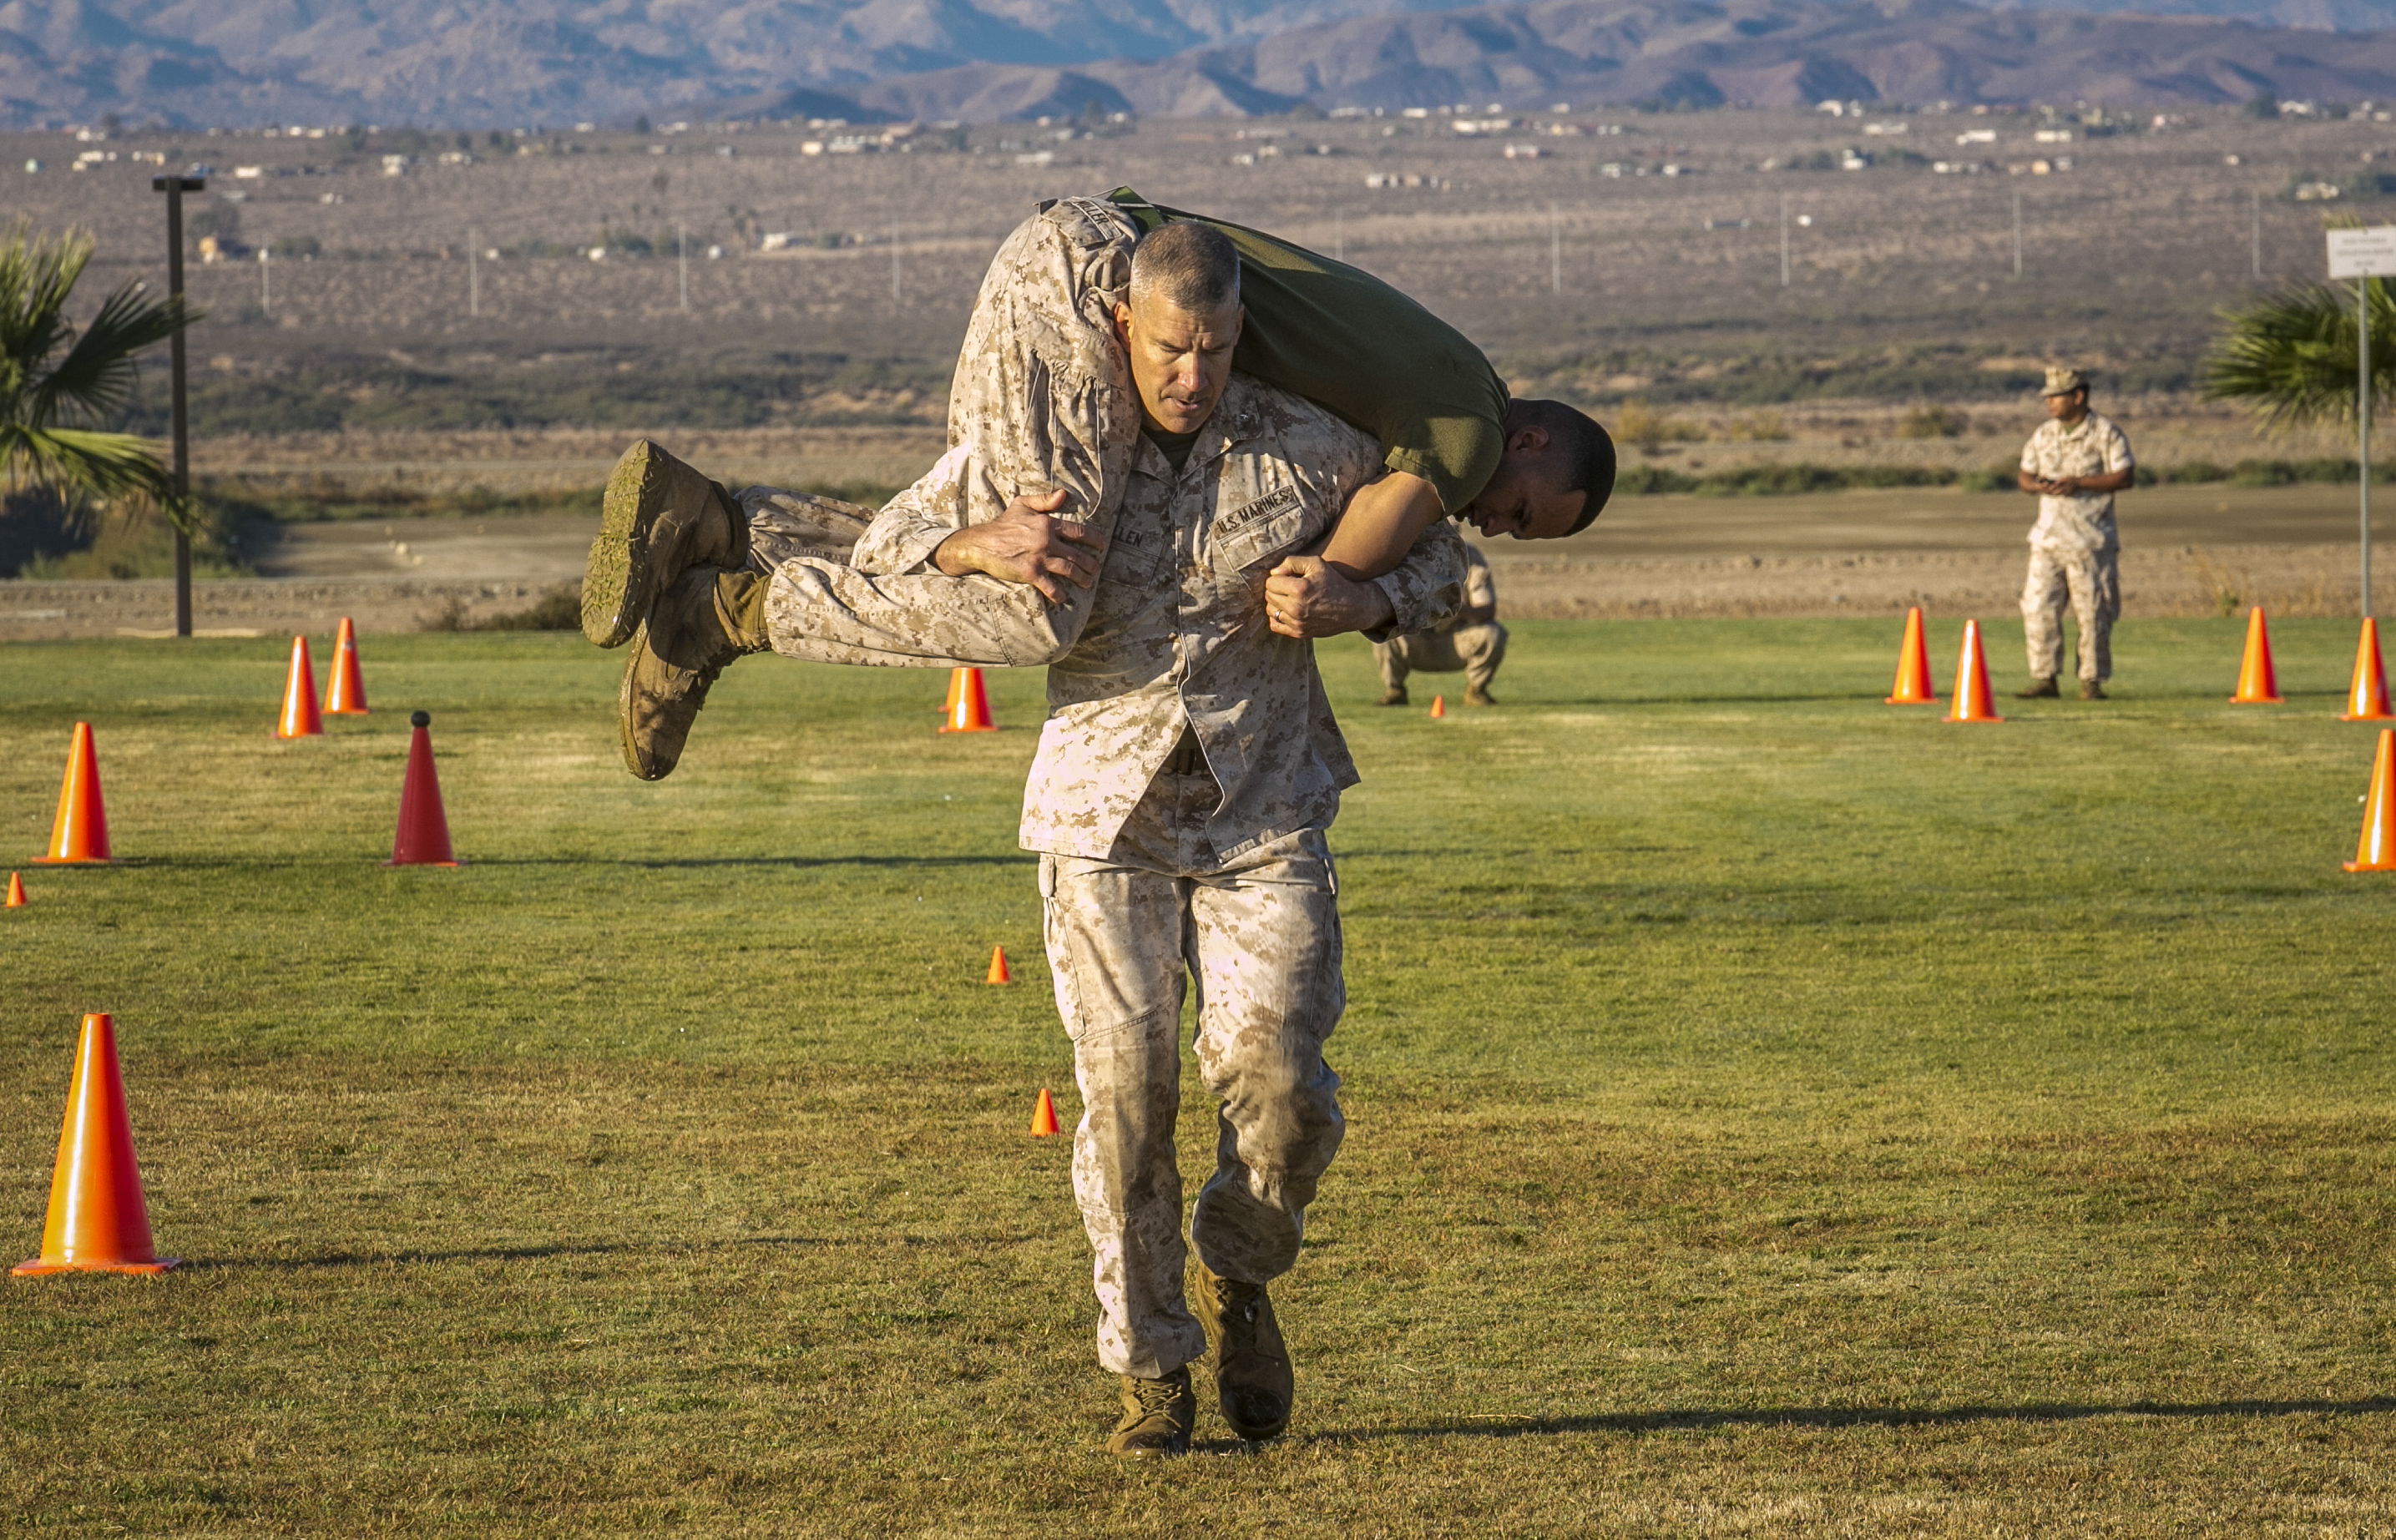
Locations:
1175 447
1365 351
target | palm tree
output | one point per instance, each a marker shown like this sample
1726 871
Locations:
2291 355
57 378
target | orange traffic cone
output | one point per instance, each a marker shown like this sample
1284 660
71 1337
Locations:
2377 850
98 1222
1043 1116
969 709
1972 701
423 837
2366 698
345 692
956 688
1914 686
998 974
16 891
2257 684
1438 706
79 834
299 718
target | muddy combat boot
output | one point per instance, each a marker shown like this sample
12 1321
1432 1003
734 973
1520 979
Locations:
1396 696
1475 696
698 626
2039 689
659 517
1157 1417
2090 690
1245 1352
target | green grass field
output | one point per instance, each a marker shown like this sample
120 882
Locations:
1770 1112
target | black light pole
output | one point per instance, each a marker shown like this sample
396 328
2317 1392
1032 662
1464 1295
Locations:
175 187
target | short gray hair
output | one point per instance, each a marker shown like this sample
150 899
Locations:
1191 265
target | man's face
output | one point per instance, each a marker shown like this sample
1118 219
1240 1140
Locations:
1523 500
2069 407
1180 359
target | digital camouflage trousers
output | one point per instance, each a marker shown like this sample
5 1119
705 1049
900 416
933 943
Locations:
2092 583
1259 936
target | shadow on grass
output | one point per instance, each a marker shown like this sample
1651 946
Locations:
1862 1416
493 1254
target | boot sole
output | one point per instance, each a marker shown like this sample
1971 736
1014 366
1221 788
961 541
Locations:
617 577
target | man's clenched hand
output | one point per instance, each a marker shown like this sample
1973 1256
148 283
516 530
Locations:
1027 545
1306 596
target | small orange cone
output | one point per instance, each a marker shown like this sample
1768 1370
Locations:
79 834
2377 850
16 891
1043 1116
969 709
299 718
1438 706
956 688
98 1222
1914 686
2257 684
1972 701
2366 698
998 974
423 837
345 692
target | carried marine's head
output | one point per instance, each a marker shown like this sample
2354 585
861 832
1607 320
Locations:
1179 322
1553 479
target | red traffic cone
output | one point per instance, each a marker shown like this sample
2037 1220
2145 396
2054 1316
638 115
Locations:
299 718
1972 701
998 974
2377 850
423 837
969 708
1439 706
345 692
16 891
1914 686
1043 1116
98 1222
956 688
79 834
2366 698
2257 686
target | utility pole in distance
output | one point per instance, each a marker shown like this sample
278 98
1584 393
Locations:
175 187
474 273
1784 240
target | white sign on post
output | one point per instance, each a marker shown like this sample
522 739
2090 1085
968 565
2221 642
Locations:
2363 252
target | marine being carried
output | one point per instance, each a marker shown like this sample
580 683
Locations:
1044 422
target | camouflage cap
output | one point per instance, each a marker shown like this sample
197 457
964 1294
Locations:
2060 381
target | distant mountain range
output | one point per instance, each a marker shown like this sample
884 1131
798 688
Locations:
474 63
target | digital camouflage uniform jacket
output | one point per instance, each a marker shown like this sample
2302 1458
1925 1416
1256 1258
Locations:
1175 631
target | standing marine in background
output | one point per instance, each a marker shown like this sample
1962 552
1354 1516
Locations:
2073 465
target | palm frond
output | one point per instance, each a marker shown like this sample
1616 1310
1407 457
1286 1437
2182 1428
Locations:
2292 355
37 277
55 379
97 375
109 466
